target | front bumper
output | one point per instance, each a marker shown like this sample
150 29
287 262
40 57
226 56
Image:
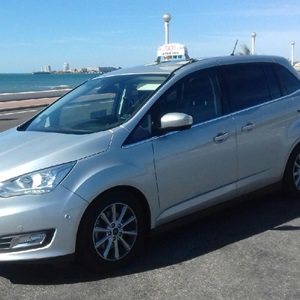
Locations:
41 226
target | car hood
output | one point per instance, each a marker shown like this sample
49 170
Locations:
26 151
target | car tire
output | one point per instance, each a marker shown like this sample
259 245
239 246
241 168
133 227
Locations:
111 232
292 174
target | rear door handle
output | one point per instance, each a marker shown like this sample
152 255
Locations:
221 137
248 127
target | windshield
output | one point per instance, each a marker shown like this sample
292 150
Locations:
99 104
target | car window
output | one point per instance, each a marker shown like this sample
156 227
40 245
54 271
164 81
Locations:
246 85
197 95
275 87
291 83
97 105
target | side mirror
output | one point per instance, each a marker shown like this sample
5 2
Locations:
176 121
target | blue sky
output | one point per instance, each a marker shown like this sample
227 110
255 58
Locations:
124 33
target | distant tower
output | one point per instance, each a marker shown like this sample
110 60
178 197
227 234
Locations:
66 67
292 52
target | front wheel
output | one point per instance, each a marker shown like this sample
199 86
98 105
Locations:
111 231
292 174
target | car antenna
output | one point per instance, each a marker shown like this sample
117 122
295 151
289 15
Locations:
232 54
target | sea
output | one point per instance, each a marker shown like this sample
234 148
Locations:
26 82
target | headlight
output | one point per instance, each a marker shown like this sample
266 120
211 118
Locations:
35 183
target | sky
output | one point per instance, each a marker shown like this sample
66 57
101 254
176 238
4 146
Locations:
124 33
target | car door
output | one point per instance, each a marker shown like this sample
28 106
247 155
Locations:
195 168
262 118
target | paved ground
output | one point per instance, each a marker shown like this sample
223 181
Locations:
249 251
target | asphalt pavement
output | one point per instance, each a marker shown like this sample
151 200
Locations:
249 251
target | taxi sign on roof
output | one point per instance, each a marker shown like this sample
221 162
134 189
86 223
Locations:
172 52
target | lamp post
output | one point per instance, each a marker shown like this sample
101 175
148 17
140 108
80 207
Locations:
292 52
167 18
253 36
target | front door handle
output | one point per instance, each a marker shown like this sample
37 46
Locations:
221 137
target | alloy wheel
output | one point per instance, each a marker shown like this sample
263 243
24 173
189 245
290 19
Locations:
296 172
115 231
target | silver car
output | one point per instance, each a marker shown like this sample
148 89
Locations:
122 154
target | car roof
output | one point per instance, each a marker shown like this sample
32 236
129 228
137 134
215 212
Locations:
152 68
167 67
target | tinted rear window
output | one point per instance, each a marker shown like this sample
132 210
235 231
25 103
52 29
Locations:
246 85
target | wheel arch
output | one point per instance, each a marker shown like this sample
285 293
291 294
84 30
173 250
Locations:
289 155
291 186
128 189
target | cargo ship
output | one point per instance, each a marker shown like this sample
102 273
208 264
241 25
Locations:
41 73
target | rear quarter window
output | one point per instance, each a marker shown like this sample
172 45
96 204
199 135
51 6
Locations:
289 81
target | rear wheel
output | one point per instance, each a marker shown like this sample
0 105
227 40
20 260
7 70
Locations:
111 231
292 174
